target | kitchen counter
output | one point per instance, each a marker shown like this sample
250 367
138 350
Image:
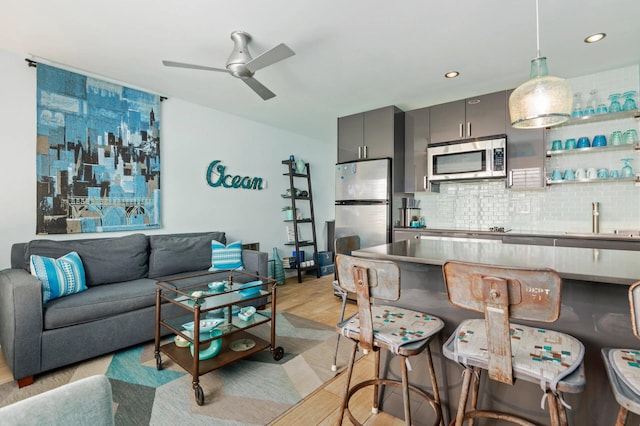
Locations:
595 309
627 241
586 264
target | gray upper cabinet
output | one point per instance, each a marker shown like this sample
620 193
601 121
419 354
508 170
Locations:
372 134
378 133
525 156
475 117
416 125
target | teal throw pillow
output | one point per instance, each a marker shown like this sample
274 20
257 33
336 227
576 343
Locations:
59 277
226 257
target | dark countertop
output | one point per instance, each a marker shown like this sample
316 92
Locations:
586 264
523 233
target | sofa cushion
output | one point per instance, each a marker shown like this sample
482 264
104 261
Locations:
105 260
99 302
226 257
176 253
59 277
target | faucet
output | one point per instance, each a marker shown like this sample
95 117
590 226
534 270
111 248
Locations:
595 217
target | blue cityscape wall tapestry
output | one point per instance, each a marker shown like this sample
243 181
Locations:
98 155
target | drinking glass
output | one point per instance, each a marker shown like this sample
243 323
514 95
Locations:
577 105
599 140
614 106
571 143
583 142
590 108
556 145
629 101
616 138
630 136
627 170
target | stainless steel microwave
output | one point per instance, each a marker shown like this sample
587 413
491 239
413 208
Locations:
472 159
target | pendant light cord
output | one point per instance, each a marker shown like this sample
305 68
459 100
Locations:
537 31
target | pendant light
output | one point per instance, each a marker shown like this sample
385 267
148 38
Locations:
543 100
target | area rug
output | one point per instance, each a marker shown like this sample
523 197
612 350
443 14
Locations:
251 391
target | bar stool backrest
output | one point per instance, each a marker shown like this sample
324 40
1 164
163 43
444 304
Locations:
383 276
369 279
634 302
502 293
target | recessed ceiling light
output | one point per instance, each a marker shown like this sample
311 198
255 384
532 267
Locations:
452 74
595 37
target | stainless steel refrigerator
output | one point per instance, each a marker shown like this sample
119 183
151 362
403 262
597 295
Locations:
363 201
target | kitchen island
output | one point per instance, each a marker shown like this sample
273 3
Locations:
595 309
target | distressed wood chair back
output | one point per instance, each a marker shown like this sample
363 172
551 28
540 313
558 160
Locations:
501 293
368 279
634 302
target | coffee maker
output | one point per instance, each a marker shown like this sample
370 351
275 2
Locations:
410 213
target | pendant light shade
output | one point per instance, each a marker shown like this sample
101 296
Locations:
543 100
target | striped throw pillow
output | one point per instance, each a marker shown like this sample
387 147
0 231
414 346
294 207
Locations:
226 257
59 277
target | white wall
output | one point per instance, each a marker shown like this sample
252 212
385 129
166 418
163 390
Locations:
191 137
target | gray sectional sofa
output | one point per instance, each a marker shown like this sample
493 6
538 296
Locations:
116 311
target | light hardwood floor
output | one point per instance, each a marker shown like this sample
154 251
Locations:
313 299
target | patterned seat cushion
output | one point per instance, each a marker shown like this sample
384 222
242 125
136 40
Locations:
626 364
394 327
545 356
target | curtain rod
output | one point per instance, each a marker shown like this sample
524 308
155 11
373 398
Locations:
33 63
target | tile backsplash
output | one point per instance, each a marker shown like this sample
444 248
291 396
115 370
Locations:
557 208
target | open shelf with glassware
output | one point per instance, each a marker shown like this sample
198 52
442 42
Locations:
574 157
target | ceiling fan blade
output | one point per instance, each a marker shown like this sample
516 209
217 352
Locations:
271 56
257 87
192 66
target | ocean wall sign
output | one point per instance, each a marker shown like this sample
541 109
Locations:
218 177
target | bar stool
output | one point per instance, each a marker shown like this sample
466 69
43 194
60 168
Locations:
401 331
506 350
623 365
343 245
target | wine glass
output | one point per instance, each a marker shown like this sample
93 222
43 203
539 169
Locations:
627 171
590 108
629 101
577 105
615 105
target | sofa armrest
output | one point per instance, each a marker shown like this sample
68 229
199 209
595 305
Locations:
255 262
86 401
20 321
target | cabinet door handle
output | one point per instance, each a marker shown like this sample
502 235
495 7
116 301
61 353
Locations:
424 182
461 132
468 129
510 179
366 155
359 152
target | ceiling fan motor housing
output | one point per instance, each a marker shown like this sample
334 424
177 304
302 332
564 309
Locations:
240 55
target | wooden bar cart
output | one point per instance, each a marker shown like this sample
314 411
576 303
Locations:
220 315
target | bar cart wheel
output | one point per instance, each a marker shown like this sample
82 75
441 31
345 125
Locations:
198 393
158 361
278 353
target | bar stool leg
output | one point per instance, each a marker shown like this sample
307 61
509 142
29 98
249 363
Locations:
345 400
434 383
405 391
553 409
477 374
374 406
464 395
622 416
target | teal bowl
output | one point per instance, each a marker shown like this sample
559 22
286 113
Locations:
213 349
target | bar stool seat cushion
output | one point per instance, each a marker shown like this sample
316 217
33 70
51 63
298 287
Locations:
626 363
539 355
395 327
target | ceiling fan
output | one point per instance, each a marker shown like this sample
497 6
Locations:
241 65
